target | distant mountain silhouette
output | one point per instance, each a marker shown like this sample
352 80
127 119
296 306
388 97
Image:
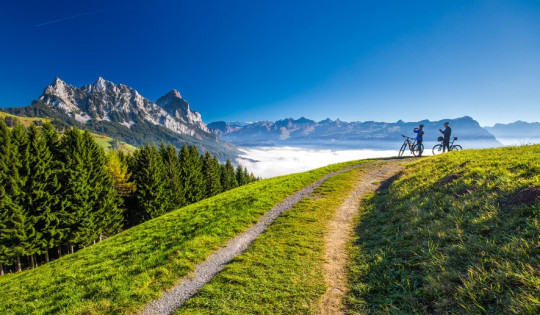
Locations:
337 133
519 132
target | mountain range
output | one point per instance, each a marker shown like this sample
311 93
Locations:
336 133
119 111
518 132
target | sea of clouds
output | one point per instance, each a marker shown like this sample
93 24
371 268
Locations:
268 162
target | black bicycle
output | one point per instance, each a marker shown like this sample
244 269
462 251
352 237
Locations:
409 142
438 148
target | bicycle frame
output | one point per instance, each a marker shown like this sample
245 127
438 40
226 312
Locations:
411 143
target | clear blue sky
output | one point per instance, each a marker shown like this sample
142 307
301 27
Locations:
266 60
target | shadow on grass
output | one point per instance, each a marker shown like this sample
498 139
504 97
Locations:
428 251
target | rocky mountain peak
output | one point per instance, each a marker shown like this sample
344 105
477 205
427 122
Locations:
175 106
174 94
117 103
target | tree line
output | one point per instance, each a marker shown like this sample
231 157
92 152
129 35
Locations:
63 192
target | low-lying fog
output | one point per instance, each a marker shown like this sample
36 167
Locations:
268 162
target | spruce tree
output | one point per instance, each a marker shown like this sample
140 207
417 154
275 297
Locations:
14 231
79 220
240 176
41 194
105 201
191 174
228 176
211 174
52 139
14 228
172 168
151 198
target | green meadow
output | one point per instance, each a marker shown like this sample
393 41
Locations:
126 271
457 233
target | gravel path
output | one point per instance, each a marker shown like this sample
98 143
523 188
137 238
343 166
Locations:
205 271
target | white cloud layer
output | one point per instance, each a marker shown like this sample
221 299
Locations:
268 162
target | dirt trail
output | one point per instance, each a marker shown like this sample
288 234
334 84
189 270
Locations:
340 230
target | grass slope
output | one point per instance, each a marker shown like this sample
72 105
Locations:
104 141
25 121
457 233
281 272
128 270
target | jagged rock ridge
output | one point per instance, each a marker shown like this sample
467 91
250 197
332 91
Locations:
120 112
106 101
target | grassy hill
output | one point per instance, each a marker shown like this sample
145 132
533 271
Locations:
105 142
455 233
458 233
128 270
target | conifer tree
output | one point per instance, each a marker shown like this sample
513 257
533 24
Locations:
14 228
228 176
191 174
240 176
14 231
104 199
211 174
172 167
79 220
151 198
41 195
52 139
20 141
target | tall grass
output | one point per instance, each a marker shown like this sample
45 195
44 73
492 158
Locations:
128 270
454 234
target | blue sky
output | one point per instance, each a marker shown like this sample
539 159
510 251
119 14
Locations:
267 60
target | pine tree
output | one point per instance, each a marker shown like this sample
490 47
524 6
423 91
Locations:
14 231
41 194
172 167
240 176
191 174
52 139
151 199
14 228
79 220
104 200
228 176
211 174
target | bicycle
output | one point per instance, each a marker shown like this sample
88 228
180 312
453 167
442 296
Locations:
437 149
416 149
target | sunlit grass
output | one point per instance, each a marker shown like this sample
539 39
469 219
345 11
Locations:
281 272
444 239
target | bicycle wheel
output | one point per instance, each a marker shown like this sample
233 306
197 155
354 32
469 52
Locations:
456 147
402 149
437 149
418 149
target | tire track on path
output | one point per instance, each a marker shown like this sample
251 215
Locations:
340 230
205 271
